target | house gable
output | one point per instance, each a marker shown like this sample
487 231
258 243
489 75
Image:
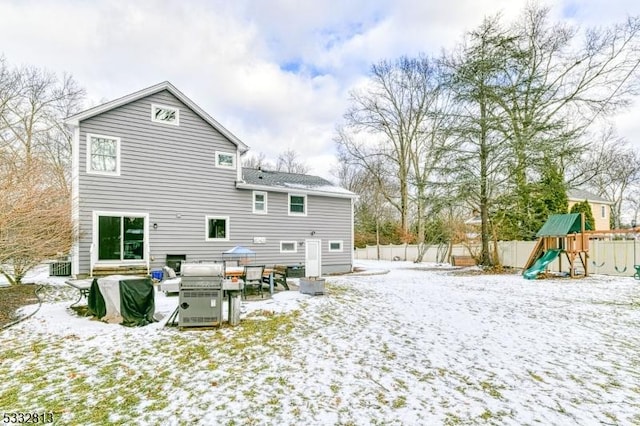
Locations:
75 120
600 207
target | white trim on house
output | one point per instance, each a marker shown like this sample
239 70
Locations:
231 156
295 246
305 205
75 203
155 119
253 198
353 234
227 228
75 120
334 192
94 245
117 140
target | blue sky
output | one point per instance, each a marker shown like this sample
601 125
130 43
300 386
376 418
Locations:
276 73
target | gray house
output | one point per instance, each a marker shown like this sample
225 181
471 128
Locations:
157 180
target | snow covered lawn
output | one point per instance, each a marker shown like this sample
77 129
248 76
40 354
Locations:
417 345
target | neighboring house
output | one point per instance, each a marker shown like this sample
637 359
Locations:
156 178
600 207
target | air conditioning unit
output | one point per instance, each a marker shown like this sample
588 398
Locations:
200 295
60 269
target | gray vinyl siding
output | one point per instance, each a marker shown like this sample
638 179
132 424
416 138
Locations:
169 173
328 217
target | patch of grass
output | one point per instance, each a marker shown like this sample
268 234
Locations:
452 419
535 377
399 402
492 389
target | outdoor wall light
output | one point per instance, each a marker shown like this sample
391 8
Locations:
313 233
155 226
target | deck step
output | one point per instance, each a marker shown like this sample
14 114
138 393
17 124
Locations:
103 271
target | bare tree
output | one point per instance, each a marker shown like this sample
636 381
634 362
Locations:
371 209
392 111
35 167
258 161
33 104
35 223
618 168
289 162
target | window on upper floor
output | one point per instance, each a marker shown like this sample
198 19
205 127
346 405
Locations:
165 114
217 228
297 205
603 211
259 202
225 159
103 154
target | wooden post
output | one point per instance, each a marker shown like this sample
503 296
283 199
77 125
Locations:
235 301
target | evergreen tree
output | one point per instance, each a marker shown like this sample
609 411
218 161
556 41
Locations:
585 207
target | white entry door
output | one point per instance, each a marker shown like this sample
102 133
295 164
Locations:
313 258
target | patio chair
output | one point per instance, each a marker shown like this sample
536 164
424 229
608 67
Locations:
252 278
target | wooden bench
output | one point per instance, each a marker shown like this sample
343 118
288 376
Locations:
279 273
463 261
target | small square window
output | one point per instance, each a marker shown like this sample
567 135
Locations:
217 228
259 202
335 245
298 205
165 114
288 247
225 159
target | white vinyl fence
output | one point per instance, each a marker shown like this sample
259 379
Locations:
605 257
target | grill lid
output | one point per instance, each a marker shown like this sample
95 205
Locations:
202 269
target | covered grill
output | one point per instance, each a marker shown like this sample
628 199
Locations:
200 294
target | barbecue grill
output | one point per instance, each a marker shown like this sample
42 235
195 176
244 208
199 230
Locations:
200 294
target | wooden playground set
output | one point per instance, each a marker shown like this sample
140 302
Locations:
563 236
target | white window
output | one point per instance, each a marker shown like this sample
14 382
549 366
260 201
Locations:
225 159
603 211
259 202
103 154
335 245
288 247
165 114
297 205
217 228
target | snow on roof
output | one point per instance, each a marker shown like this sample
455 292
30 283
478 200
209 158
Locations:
288 181
581 195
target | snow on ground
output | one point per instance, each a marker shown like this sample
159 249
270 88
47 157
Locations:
398 343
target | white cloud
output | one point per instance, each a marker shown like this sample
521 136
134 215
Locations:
277 74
